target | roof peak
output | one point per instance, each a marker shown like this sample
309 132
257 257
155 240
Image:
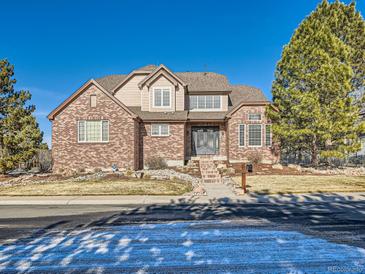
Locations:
149 67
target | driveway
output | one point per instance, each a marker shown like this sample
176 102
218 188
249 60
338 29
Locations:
214 237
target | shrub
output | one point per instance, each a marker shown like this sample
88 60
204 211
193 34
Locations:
43 159
80 170
97 169
254 157
156 163
147 176
129 173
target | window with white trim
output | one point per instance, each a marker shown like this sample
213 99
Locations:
254 135
268 135
160 130
254 116
204 102
96 131
162 97
241 135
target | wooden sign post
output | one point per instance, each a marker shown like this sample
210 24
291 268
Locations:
243 179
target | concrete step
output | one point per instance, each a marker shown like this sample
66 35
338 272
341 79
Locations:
212 181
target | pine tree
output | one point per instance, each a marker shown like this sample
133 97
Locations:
314 79
20 136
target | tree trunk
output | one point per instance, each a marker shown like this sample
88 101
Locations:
315 158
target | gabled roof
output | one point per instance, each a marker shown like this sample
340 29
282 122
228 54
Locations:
147 68
244 93
126 79
77 93
161 70
205 81
109 82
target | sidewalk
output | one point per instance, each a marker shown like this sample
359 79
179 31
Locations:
216 193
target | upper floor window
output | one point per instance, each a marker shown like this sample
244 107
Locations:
95 131
160 130
204 102
162 97
254 117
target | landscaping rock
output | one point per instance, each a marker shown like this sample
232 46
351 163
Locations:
17 171
199 191
296 167
139 174
168 174
277 166
35 170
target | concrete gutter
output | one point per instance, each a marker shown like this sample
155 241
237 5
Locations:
209 199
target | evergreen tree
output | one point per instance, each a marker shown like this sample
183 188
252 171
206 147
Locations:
318 71
20 136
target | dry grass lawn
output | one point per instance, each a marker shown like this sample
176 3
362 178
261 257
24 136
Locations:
272 184
116 187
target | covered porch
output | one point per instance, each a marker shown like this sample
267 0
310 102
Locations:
206 139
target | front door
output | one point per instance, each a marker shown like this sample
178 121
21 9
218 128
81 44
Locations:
205 140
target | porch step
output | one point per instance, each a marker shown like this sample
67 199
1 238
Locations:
209 171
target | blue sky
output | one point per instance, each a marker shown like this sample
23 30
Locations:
58 45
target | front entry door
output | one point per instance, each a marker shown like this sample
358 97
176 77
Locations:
205 140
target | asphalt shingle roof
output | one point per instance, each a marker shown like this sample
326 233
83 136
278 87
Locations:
241 93
111 81
148 68
204 81
169 115
196 81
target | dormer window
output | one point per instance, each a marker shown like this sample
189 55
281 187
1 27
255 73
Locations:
162 97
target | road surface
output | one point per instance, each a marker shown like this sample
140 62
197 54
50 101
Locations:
191 238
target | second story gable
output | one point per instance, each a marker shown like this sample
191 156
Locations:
158 89
154 93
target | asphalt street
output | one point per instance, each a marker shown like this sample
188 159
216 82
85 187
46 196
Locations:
185 238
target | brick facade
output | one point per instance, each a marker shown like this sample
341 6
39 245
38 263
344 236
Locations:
171 147
123 131
237 153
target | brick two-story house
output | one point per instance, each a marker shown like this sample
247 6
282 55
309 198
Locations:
123 120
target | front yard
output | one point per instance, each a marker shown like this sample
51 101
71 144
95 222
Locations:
99 187
272 184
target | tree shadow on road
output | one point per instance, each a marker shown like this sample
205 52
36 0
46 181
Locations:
108 237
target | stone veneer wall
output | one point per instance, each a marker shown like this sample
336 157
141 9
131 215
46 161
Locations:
121 148
237 153
171 148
